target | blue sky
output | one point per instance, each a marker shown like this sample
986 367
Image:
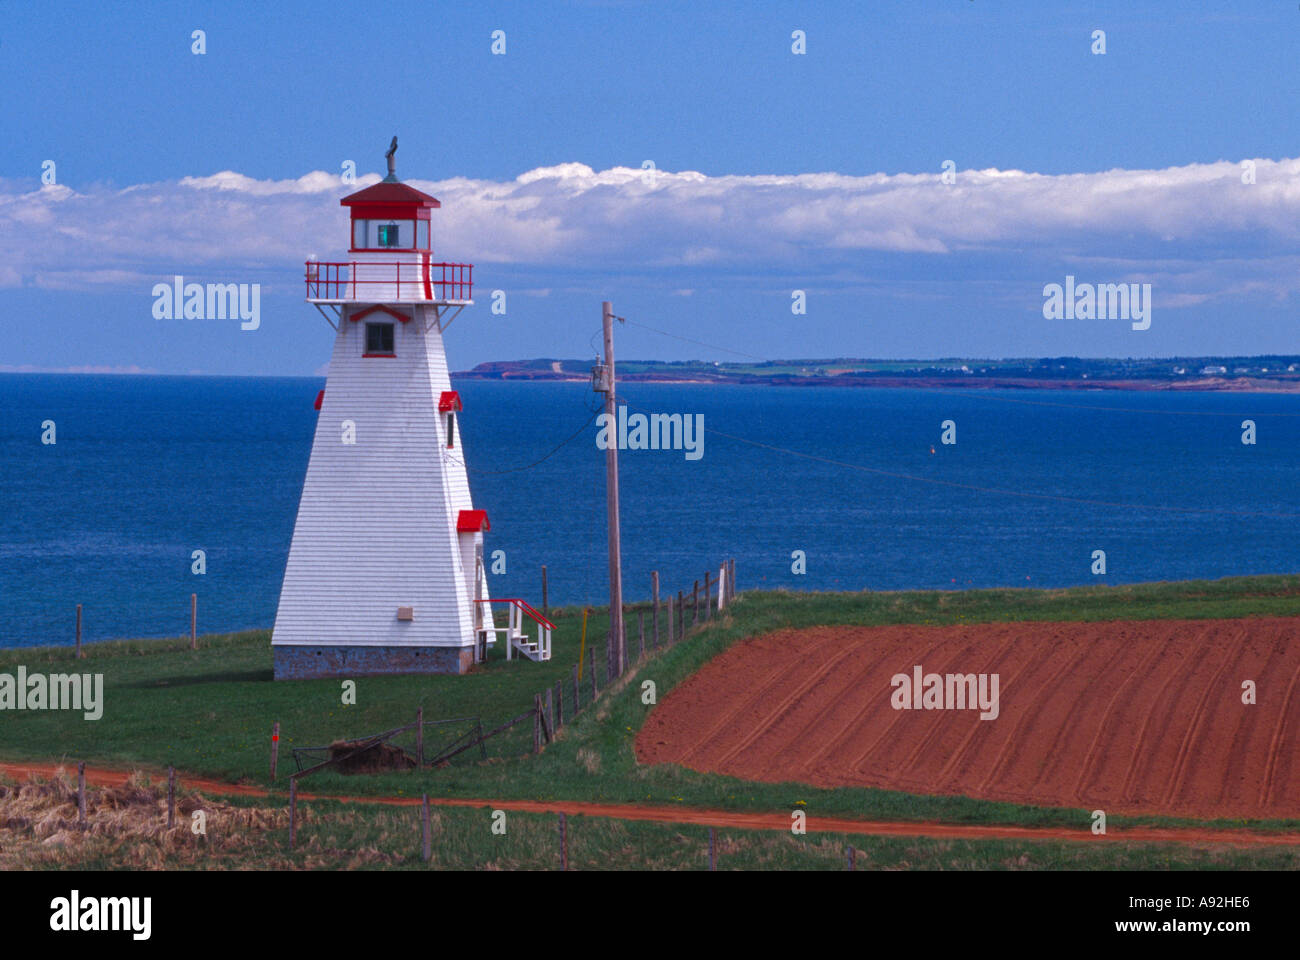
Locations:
779 172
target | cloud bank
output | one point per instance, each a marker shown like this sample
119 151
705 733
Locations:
1198 231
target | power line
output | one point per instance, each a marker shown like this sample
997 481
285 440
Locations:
535 463
698 343
981 489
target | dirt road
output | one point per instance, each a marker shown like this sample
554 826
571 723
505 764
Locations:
720 818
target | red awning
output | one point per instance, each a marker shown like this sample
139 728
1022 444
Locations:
472 521
449 400
396 314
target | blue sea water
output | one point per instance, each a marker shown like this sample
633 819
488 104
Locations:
148 469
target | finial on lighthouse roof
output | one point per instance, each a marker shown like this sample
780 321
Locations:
392 162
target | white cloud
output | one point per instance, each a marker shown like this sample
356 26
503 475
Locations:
1198 226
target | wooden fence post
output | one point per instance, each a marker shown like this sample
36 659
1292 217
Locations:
640 629
550 714
681 615
852 858
577 703
564 843
275 749
713 856
654 584
695 603
194 621
293 811
81 794
426 838
171 796
537 723
670 620
419 738
79 631
546 610
559 704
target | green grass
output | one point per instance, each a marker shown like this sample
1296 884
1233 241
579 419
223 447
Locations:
210 712
462 839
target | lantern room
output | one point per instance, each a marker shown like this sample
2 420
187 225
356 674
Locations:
391 253
390 217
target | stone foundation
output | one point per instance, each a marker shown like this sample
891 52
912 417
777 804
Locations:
313 662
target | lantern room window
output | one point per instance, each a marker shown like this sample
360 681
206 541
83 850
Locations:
379 340
398 234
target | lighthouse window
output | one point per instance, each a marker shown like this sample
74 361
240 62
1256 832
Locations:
451 430
379 339
388 235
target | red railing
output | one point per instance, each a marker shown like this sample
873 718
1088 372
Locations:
523 605
364 280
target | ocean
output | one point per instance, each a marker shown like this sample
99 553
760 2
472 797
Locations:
148 469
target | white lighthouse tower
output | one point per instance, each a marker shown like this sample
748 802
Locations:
385 572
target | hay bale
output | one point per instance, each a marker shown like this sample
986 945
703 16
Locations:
376 759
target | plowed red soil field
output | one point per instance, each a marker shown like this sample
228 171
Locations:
1125 716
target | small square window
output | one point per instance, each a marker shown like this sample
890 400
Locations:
379 338
388 235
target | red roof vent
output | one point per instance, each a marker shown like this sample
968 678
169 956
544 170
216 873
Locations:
472 521
449 400
320 398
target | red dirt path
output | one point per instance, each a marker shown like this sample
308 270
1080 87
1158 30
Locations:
722 818
1123 716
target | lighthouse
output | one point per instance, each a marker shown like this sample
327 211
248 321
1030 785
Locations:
386 571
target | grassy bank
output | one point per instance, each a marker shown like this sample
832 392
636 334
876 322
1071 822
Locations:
210 711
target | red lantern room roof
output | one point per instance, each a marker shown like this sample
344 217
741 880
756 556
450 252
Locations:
390 191
390 199
472 521
449 400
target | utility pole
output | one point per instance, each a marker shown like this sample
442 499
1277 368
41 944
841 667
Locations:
611 497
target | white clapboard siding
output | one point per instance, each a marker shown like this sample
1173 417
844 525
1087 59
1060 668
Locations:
377 278
376 526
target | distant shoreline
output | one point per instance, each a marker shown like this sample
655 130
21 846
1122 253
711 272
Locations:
1202 385
1264 373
